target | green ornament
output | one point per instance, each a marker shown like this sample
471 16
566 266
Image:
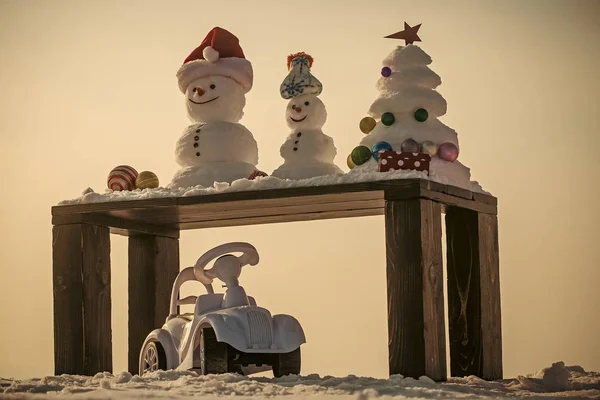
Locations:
387 118
360 155
421 115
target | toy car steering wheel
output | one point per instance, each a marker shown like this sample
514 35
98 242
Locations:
249 257
206 277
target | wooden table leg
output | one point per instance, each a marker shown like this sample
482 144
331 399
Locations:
82 314
153 267
416 325
473 294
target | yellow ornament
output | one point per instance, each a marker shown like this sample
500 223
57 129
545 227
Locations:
367 124
349 161
146 180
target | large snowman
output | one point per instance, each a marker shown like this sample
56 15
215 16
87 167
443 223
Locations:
215 78
307 151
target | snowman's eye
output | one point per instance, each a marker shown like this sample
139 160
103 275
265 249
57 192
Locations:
306 103
293 106
212 86
194 90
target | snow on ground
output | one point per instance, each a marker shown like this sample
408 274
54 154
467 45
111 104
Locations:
261 183
556 381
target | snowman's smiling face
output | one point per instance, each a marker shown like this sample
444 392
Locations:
215 98
306 111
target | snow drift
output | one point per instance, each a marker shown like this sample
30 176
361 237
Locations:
555 381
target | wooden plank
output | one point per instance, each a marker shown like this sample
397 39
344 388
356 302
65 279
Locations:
459 202
491 324
68 294
433 291
459 192
464 293
352 189
122 226
485 198
153 267
82 303
96 299
311 194
152 215
195 216
474 294
415 292
226 211
282 218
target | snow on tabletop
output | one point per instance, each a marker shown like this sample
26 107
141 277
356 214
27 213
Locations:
558 381
262 183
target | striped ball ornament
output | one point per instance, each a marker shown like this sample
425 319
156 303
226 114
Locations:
146 180
122 178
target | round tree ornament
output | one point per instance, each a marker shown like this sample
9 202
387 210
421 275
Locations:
122 177
410 146
386 71
360 155
146 180
349 162
367 124
421 115
388 119
380 146
448 151
428 147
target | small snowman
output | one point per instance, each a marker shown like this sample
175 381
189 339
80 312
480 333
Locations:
215 78
307 151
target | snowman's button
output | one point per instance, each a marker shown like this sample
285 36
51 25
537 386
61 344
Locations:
196 138
197 154
296 142
295 149
299 134
197 130
195 144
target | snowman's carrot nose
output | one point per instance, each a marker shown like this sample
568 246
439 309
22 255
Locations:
199 91
298 109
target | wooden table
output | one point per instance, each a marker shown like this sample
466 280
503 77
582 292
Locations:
412 209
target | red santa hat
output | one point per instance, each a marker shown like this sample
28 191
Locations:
219 54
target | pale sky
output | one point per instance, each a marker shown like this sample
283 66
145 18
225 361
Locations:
86 86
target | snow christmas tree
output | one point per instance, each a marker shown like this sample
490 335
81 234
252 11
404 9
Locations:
403 130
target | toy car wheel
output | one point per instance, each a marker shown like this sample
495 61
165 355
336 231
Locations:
287 363
213 354
154 358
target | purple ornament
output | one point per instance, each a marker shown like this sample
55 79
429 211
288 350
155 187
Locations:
448 151
386 71
410 146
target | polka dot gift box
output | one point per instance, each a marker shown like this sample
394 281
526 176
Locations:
395 160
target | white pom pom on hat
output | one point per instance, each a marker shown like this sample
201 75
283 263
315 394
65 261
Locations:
219 54
210 54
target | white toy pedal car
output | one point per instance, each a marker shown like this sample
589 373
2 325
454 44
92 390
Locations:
226 332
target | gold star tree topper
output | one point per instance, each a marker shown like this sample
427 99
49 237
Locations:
409 34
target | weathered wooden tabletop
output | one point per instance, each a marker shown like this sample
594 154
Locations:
166 216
